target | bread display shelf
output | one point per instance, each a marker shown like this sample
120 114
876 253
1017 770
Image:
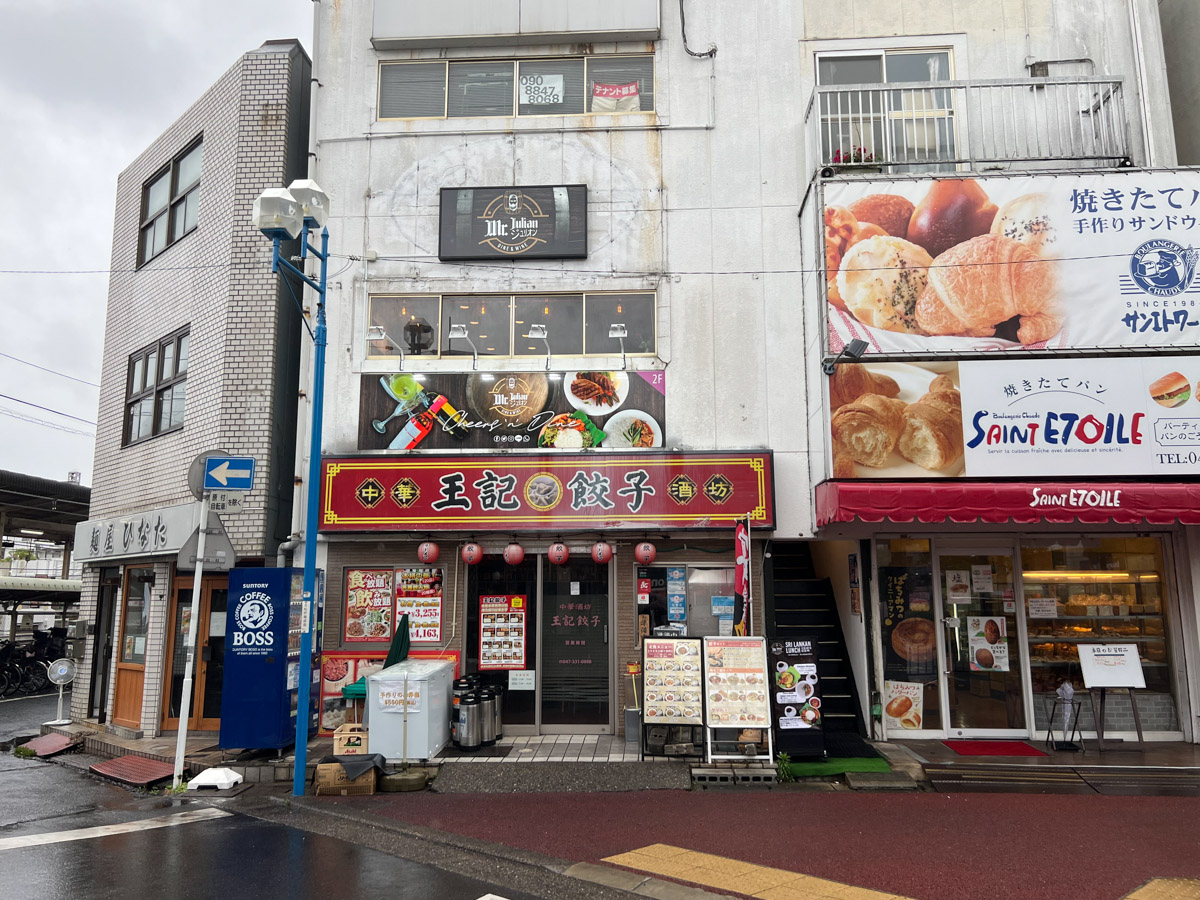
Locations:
1098 638
1041 663
1090 618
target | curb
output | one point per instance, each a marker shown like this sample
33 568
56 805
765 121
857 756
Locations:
621 879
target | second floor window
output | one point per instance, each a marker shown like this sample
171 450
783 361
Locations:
170 203
156 388
571 86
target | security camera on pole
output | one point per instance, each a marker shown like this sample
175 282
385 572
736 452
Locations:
286 214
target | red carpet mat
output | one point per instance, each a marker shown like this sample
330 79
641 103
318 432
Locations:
993 748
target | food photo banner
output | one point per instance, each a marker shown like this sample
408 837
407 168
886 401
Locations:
579 410
1053 262
632 491
1016 418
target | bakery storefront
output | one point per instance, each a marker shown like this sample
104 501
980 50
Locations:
539 571
982 593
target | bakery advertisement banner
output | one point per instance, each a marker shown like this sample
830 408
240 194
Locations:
581 410
1017 418
903 705
1052 262
987 639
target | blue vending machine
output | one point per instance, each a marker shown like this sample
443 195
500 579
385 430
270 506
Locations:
262 658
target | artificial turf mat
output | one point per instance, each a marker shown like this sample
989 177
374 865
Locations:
836 766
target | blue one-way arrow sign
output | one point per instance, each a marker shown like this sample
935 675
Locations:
229 473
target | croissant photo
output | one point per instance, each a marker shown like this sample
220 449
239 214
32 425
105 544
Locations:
893 420
953 264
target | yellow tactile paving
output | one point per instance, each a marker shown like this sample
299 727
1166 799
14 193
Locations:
762 882
1168 889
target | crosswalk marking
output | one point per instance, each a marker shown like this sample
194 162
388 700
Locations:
83 834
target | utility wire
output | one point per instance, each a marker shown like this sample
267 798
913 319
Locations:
51 371
24 418
49 410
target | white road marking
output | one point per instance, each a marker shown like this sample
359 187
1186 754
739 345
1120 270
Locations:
492 897
83 834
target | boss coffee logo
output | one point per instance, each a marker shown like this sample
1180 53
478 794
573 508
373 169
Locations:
253 616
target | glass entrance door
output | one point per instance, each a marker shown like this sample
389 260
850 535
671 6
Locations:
574 647
983 642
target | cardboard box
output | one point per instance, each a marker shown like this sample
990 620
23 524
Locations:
351 740
331 779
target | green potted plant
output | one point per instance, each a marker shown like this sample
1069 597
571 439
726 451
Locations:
20 557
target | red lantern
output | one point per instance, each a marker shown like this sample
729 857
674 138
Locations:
514 554
558 554
427 552
472 553
601 552
645 553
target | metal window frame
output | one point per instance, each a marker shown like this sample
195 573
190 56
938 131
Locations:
174 199
153 385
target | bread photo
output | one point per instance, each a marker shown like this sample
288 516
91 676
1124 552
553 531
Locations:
984 658
842 231
869 428
976 285
954 210
898 706
991 631
933 436
1026 219
843 465
850 381
891 212
880 280
1171 390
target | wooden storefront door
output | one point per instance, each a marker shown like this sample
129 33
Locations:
208 675
130 682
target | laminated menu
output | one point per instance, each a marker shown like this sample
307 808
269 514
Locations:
736 682
369 603
672 676
502 632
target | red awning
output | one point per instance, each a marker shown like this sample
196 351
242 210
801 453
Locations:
1128 503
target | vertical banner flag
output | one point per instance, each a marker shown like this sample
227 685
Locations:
741 580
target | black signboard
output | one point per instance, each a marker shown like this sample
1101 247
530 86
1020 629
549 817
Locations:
796 712
513 223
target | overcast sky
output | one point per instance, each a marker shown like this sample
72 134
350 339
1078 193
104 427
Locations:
84 88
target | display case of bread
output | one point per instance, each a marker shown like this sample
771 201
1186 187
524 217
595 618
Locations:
1155 651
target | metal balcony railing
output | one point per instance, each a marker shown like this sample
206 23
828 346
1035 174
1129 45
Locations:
940 126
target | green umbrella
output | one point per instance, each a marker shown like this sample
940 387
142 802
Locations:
398 652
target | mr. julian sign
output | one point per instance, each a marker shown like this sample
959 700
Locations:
513 223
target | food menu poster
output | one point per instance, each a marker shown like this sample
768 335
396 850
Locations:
987 641
736 683
341 669
502 632
369 600
909 633
903 705
795 696
673 682
419 594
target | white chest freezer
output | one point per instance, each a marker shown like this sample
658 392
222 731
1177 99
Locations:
428 701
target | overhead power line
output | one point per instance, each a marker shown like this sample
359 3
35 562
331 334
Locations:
48 409
51 371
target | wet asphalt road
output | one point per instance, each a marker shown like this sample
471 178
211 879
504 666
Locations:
23 716
228 857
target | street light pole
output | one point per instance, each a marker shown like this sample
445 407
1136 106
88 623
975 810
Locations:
276 215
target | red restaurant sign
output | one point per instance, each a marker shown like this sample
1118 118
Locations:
1125 502
632 491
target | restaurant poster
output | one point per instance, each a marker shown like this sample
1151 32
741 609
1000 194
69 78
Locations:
736 682
903 705
577 410
370 598
1013 264
672 674
419 594
987 643
795 696
1018 418
502 631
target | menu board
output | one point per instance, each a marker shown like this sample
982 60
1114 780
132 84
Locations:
736 682
795 696
419 593
369 600
1111 665
502 632
673 681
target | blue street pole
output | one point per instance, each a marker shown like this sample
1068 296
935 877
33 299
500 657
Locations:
303 713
